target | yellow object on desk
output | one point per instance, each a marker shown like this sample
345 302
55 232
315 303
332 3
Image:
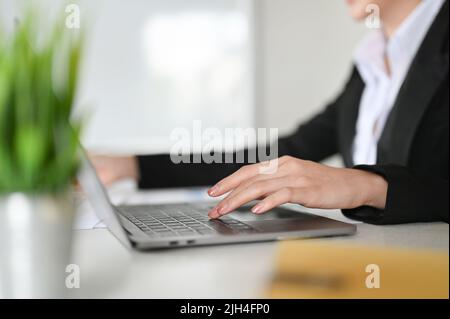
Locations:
318 269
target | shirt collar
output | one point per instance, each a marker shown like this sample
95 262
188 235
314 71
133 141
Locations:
401 48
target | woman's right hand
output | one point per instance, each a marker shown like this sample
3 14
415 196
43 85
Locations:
113 168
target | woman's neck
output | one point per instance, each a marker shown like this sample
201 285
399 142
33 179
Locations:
394 16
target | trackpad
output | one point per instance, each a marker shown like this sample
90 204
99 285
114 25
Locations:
245 215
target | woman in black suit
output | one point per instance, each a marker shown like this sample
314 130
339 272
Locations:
390 124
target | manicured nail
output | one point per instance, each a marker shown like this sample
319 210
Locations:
213 190
258 208
213 213
222 209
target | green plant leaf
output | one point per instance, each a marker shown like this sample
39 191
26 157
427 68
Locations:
30 151
38 144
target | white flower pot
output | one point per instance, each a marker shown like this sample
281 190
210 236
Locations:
35 244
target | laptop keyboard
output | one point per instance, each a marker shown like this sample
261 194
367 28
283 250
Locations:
167 222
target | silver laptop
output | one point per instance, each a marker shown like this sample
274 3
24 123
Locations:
146 227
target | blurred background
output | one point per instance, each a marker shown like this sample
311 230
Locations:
155 65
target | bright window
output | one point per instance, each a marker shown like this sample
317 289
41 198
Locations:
155 65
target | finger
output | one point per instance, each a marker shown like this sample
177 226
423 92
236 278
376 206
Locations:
258 177
278 198
241 175
106 176
233 180
284 179
213 213
247 183
252 192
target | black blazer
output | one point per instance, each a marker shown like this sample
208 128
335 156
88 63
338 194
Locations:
412 151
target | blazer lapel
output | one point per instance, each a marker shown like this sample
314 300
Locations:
426 74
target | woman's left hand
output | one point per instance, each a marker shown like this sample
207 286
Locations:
297 181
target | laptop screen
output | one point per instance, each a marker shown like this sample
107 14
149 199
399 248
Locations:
99 200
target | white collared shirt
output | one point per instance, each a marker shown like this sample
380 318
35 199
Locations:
381 89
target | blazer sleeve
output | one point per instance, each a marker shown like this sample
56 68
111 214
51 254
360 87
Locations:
410 198
315 140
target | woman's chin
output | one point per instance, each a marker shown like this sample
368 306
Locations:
357 15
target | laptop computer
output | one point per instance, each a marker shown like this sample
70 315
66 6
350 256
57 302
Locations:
146 227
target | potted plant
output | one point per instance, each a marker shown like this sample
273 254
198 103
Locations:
38 156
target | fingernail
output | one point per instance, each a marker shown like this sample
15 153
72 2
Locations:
213 190
257 208
222 209
213 213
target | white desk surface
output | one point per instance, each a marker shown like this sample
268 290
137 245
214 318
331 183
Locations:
109 270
